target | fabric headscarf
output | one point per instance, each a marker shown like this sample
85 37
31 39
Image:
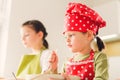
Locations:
79 17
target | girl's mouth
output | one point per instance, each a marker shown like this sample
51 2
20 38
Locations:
69 46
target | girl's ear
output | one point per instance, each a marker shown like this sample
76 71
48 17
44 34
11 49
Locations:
40 34
90 35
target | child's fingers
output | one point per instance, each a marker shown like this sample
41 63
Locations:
51 79
53 57
53 61
65 76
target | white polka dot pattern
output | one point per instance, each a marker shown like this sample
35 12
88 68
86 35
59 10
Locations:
84 69
81 18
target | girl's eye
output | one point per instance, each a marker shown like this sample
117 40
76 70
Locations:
26 35
69 36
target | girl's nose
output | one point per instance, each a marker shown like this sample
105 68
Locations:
22 38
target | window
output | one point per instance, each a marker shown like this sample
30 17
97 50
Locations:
5 6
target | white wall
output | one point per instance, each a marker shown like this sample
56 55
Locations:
109 10
51 13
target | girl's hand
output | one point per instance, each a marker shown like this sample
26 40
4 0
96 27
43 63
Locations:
2 78
51 79
53 60
65 76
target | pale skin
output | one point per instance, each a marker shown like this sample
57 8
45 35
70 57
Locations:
34 41
78 43
31 39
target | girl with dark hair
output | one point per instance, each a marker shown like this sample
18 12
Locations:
41 60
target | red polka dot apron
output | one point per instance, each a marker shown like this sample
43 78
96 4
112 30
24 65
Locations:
84 69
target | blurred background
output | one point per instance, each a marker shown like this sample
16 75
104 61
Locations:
51 12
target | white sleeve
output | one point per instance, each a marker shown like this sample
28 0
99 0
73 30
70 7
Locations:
44 60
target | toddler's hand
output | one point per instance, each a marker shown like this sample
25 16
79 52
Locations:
53 60
65 76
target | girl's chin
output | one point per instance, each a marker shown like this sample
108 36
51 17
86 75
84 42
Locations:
71 50
74 51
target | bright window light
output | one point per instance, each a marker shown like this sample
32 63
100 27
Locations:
110 37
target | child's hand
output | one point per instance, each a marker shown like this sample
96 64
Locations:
66 76
51 79
53 60
2 78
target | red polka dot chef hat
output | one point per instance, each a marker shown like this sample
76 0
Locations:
79 17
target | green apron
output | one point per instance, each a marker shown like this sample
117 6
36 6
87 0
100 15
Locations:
30 64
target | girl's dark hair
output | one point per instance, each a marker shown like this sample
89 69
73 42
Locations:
38 26
100 43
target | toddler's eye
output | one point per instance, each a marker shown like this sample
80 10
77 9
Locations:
69 36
